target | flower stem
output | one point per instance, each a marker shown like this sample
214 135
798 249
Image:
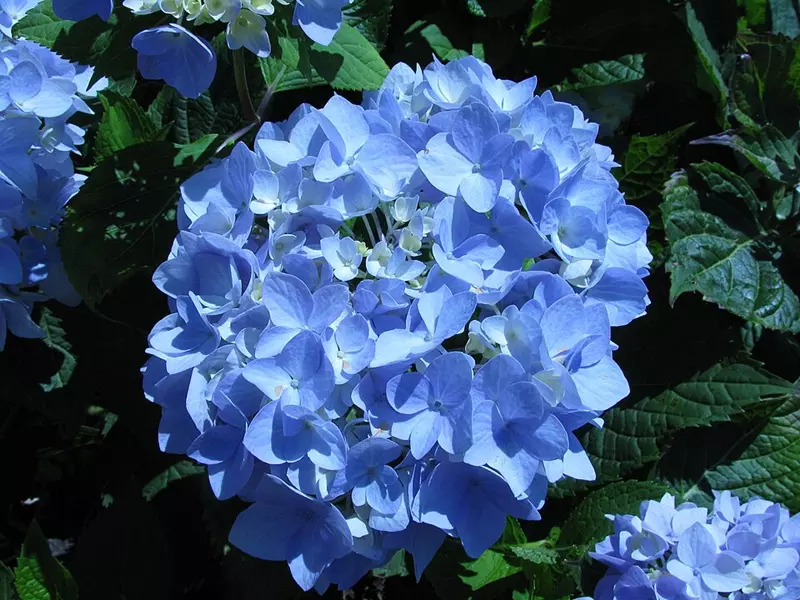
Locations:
369 230
240 75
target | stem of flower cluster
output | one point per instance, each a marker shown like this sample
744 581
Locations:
240 75
369 230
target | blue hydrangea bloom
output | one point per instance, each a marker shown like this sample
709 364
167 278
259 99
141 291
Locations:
737 551
77 10
39 94
394 317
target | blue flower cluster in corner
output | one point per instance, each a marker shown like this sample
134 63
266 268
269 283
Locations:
39 93
389 319
187 62
736 551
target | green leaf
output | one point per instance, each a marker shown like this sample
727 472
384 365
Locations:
491 566
540 14
535 553
439 43
180 470
708 56
784 18
636 435
712 258
649 162
55 338
767 467
123 219
38 575
625 69
766 148
41 25
6 583
371 18
727 184
588 524
755 13
124 124
350 62
396 567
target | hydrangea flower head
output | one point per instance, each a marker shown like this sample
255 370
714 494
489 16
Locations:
391 318
737 551
39 93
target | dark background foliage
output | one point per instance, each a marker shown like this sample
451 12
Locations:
79 440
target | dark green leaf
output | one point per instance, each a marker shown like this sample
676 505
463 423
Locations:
588 523
708 56
765 148
625 69
636 435
123 219
534 552
38 575
124 124
755 13
649 162
180 470
6 583
55 338
371 18
767 467
725 183
540 14
41 25
709 257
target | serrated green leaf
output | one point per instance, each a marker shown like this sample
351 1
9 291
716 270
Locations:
535 553
588 524
635 435
123 219
625 69
784 18
725 183
491 566
712 258
371 18
648 163
755 13
708 56
55 338
350 62
540 14
124 124
180 470
38 575
767 467
766 148
6 583
41 25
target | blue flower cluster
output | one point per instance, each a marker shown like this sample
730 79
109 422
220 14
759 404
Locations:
389 319
737 551
39 93
187 62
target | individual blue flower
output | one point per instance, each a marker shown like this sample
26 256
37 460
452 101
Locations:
184 339
174 54
284 524
77 10
230 464
515 434
369 478
434 407
299 375
288 433
433 318
469 160
349 347
472 503
319 19
342 255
